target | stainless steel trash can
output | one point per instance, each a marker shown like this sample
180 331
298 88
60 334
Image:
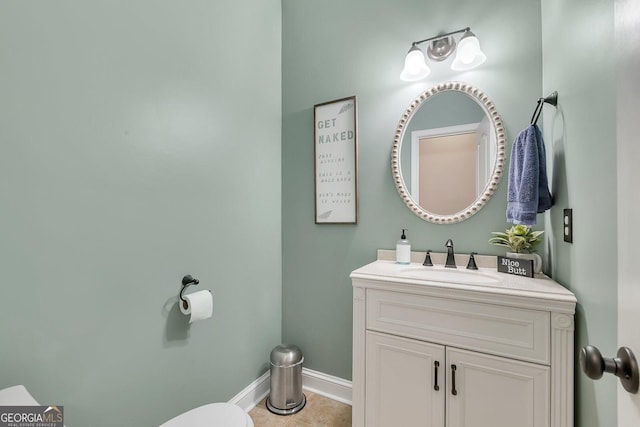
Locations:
286 395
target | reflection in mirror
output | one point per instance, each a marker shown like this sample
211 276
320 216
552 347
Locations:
448 153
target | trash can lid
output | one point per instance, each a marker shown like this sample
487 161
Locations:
286 355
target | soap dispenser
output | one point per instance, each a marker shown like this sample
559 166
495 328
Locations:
403 250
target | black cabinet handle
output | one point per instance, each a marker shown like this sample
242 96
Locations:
436 365
453 380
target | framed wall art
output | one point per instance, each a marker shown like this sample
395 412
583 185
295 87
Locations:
336 161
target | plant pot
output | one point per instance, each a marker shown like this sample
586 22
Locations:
537 260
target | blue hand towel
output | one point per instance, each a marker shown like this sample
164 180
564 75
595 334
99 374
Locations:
528 190
545 200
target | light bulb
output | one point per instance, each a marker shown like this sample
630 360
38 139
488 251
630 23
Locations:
468 54
415 67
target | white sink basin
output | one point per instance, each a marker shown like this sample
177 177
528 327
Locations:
450 275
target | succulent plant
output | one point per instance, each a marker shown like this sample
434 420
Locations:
519 238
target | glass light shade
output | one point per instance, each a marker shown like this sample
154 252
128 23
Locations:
415 67
468 55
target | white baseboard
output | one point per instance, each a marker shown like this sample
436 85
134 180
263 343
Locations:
252 394
313 381
327 385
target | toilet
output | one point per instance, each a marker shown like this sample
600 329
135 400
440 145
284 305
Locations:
212 415
16 396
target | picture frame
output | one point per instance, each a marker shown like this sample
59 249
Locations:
336 161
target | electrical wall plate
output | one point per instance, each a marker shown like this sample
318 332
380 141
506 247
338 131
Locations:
567 225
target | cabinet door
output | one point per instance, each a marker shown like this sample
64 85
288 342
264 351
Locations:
402 376
490 391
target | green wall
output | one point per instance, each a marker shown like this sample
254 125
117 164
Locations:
333 49
126 162
581 141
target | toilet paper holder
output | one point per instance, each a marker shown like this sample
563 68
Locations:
187 281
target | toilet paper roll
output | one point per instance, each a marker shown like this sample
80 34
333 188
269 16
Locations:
199 305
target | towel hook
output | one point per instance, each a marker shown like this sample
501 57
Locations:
551 99
186 281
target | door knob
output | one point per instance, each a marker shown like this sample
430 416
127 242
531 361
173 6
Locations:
624 366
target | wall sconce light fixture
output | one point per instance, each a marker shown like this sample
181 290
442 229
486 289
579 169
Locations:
468 54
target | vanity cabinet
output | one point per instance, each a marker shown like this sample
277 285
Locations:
411 382
436 353
401 375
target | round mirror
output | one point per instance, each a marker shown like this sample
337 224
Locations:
448 153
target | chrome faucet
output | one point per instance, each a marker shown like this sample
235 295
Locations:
451 259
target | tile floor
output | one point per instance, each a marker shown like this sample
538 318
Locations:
318 412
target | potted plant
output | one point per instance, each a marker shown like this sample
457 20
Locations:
521 240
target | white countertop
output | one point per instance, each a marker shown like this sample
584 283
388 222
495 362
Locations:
484 280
